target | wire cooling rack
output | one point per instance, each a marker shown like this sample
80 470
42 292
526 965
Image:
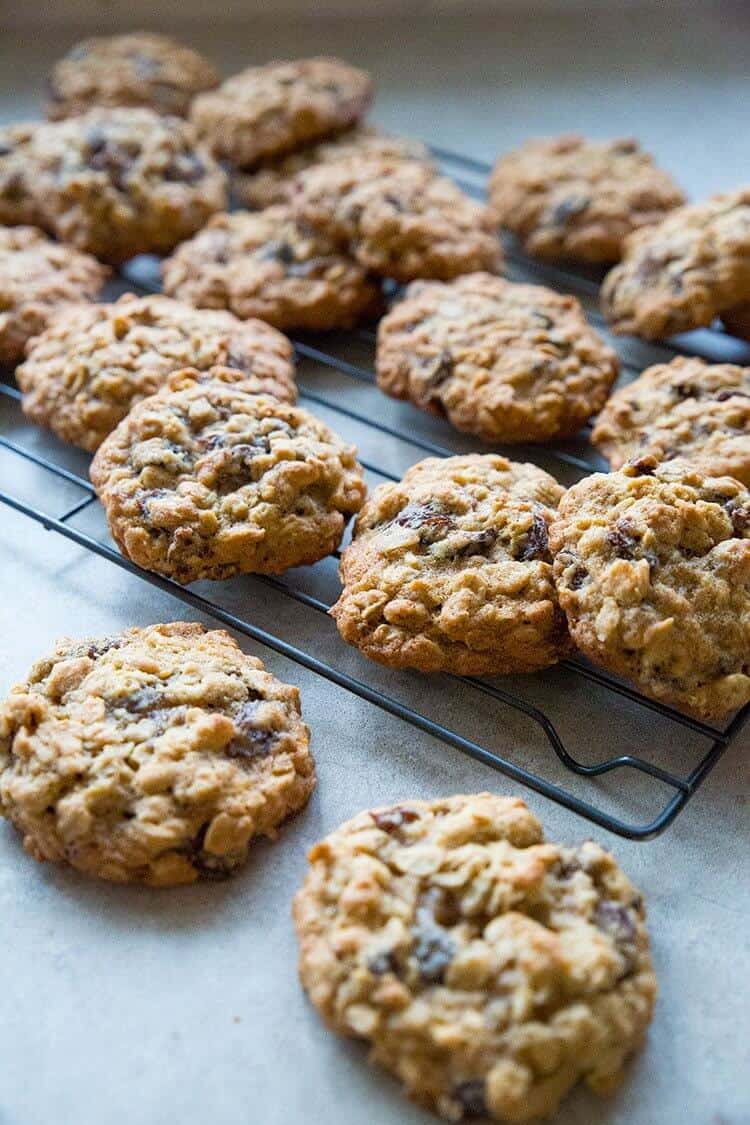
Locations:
355 403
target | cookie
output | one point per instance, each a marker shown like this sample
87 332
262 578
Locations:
449 570
268 265
687 408
503 361
17 201
398 218
121 182
571 198
206 480
737 320
153 756
488 970
266 111
684 271
272 181
94 362
37 277
140 69
652 565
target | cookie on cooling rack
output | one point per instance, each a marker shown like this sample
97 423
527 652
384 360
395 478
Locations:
572 198
449 570
265 111
267 264
205 480
687 408
139 69
506 362
683 272
652 565
38 277
488 970
153 756
94 362
398 218
272 182
17 200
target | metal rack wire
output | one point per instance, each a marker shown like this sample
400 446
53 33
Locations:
681 788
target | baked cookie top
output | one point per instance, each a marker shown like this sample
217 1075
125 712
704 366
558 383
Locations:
269 265
37 276
267 110
571 198
398 217
17 201
205 480
449 570
94 362
489 970
687 408
121 182
152 756
140 69
684 271
652 565
272 182
506 362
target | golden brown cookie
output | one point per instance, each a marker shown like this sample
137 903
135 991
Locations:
38 277
652 565
265 111
139 69
684 271
17 201
398 218
506 362
687 408
266 264
449 570
571 198
152 756
94 362
205 480
488 970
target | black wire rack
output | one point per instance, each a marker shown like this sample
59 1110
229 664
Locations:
334 353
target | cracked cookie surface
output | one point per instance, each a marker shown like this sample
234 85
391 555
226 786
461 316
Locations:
489 970
269 265
652 566
153 756
684 271
95 362
37 277
139 69
265 111
205 480
687 408
504 361
449 570
568 198
398 218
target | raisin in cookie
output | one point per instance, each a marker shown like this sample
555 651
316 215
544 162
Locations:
489 970
571 198
94 362
153 756
272 181
684 271
450 571
205 480
265 111
18 203
503 361
121 182
38 277
268 265
652 565
687 408
140 69
398 218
